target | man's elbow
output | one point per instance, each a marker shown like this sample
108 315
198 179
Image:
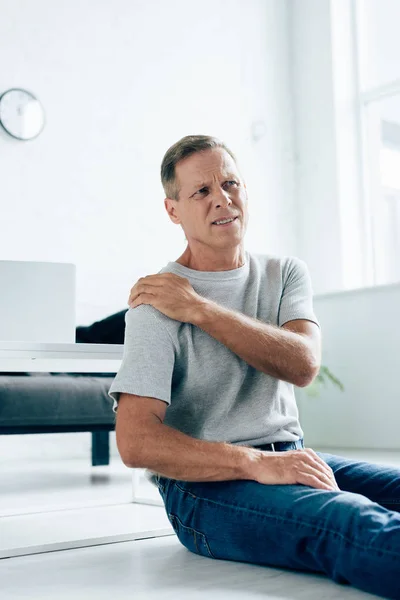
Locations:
131 450
308 375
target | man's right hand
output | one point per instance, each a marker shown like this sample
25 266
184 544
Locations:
294 466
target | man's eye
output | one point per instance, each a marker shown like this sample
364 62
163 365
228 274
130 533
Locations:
202 191
232 182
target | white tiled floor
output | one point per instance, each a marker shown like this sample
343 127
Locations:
143 569
58 530
154 569
52 505
46 485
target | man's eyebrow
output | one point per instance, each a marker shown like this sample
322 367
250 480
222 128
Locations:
202 184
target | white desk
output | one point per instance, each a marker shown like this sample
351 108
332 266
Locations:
75 358
60 358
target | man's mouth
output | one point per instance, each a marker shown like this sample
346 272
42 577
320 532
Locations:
224 222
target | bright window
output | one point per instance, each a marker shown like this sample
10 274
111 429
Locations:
390 168
379 69
379 40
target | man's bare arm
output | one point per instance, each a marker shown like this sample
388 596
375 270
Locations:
144 441
176 455
276 351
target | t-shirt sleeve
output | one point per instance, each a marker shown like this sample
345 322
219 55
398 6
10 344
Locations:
148 357
297 294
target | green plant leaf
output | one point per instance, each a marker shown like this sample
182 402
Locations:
324 376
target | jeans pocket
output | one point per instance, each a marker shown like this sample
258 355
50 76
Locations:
193 540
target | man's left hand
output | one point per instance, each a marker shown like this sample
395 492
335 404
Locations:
171 294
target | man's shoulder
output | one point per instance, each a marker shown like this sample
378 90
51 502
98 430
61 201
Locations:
145 314
144 320
278 269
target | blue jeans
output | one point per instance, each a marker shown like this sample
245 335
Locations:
351 535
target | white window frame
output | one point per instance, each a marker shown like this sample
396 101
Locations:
369 152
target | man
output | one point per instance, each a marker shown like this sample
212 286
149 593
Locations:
214 344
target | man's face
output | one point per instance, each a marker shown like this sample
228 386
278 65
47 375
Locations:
210 189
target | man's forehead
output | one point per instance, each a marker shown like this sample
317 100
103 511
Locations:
204 165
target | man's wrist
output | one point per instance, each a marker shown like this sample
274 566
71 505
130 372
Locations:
202 312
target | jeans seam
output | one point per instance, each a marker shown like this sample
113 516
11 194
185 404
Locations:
292 521
158 483
195 533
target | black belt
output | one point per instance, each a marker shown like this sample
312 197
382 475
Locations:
282 446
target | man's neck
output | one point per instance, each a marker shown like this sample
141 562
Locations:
212 263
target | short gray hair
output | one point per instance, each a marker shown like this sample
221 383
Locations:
188 145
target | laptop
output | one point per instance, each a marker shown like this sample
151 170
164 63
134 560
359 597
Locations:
37 301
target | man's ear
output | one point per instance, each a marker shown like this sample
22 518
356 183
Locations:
170 207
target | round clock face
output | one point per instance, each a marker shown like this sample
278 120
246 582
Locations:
21 114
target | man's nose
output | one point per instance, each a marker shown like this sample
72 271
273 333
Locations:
222 198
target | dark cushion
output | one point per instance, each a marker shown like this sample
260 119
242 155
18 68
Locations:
55 400
110 330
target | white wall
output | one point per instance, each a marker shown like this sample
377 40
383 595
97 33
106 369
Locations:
120 82
361 334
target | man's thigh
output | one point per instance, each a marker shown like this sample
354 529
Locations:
292 526
380 483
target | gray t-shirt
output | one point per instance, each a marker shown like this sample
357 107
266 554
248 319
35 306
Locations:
213 394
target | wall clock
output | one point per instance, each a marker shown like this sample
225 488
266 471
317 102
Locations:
21 114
